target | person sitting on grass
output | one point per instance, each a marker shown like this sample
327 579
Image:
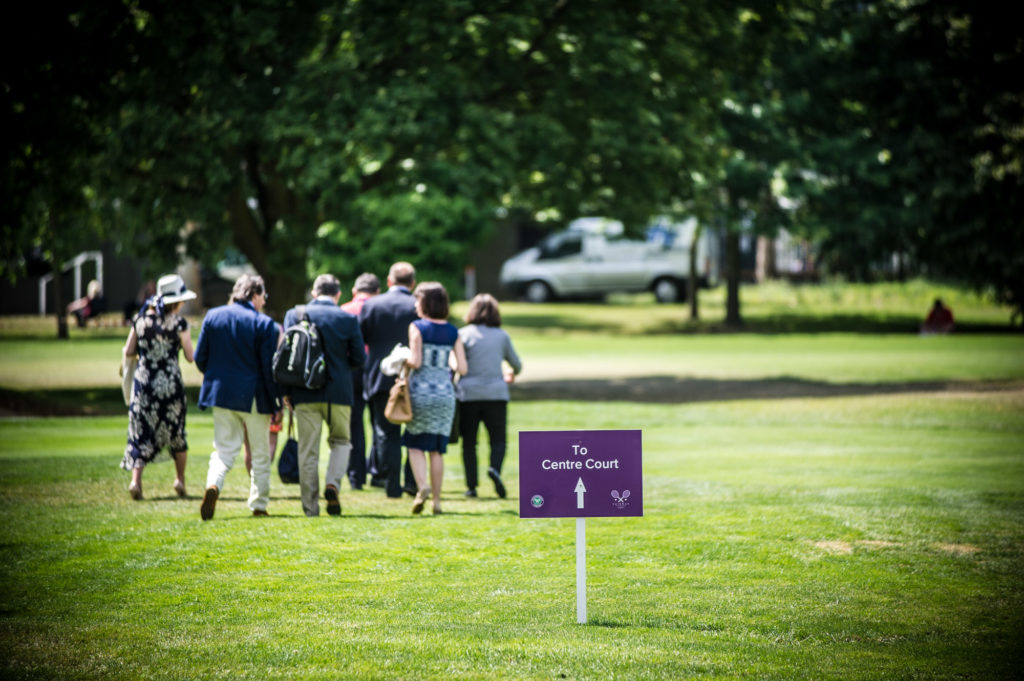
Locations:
939 320
90 306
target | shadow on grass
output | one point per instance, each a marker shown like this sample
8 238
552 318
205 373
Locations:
71 401
640 389
677 390
278 516
281 511
609 624
800 323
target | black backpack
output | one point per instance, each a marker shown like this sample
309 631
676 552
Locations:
300 361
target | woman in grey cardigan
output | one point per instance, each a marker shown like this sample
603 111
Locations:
483 391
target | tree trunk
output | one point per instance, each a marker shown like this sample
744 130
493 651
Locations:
58 301
732 274
285 292
285 286
771 267
691 290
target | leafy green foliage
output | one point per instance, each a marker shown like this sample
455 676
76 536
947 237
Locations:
51 102
278 128
262 124
908 117
433 232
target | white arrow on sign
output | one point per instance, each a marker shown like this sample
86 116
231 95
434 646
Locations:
580 489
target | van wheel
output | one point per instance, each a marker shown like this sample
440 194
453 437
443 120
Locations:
538 292
668 290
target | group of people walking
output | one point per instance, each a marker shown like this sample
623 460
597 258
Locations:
471 367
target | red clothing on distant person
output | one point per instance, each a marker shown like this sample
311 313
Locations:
939 320
356 304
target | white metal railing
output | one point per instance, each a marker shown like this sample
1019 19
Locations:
76 264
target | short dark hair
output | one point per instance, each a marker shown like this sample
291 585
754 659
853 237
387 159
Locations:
367 282
247 287
483 309
326 285
433 299
402 273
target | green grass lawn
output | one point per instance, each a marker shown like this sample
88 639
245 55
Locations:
875 534
866 537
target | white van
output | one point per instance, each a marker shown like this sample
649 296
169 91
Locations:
592 259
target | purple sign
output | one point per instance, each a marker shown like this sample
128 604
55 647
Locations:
580 474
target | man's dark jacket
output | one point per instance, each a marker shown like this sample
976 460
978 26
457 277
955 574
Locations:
235 350
385 321
343 349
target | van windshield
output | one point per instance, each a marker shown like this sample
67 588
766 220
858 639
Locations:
561 245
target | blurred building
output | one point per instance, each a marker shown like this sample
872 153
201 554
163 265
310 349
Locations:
120 278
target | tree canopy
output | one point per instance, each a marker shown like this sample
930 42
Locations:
343 135
908 121
309 128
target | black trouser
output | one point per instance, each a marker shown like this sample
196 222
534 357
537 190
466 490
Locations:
494 414
387 445
357 434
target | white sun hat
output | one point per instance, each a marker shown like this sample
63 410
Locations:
171 287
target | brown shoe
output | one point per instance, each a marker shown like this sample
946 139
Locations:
209 503
260 512
333 505
421 500
135 492
179 487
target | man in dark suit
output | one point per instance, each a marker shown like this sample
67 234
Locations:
384 321
342 344
367 286
235 349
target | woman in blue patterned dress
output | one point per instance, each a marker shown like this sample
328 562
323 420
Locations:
156 417
432 342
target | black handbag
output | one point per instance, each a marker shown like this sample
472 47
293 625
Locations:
288 463
453 437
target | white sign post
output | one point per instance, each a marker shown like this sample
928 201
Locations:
581 556
581 570
603 463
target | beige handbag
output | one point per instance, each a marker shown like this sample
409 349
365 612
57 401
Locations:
399 406
127 372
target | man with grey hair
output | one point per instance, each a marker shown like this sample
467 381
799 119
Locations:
342 344
235 350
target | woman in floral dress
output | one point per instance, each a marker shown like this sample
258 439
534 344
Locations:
156 417
432 342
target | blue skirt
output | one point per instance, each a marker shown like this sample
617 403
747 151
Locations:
428 442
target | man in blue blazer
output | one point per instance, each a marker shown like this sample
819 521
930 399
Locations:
235 349
342 344
385 321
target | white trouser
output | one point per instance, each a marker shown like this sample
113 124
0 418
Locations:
309 419
229 431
